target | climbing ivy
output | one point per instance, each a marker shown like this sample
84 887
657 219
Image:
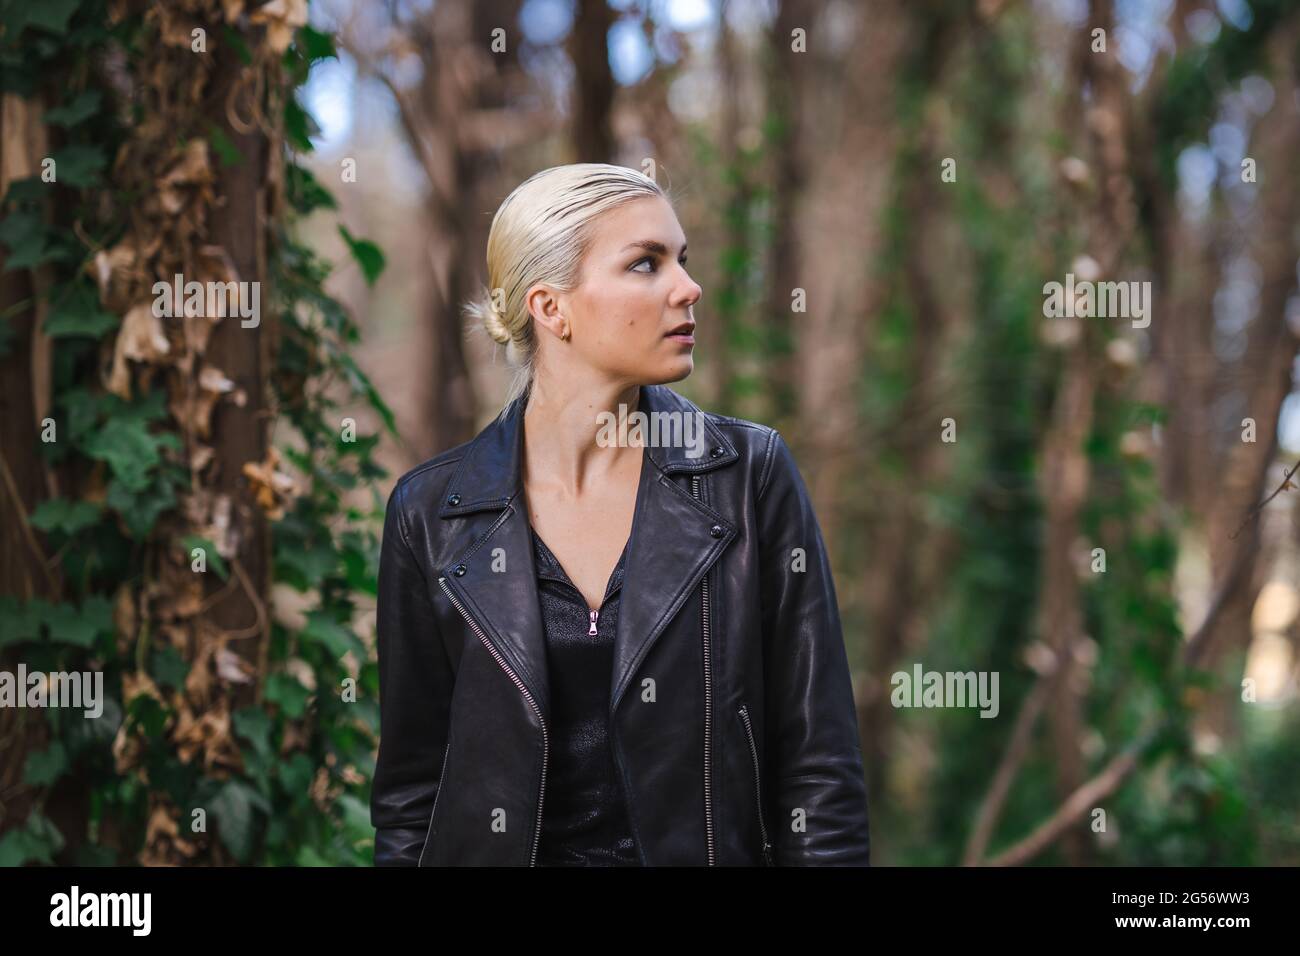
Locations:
293 782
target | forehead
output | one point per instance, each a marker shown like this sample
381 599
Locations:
649 217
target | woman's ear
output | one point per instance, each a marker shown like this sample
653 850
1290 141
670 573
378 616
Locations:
543 304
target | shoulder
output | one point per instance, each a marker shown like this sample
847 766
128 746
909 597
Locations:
425 482
755 442
760 447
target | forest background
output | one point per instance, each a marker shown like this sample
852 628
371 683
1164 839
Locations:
876 195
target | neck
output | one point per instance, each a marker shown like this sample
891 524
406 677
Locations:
561 422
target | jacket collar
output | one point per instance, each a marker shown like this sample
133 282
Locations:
675 540
490 473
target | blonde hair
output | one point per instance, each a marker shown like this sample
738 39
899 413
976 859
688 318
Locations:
540 233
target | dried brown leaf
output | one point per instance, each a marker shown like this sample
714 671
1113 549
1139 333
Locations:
141 339
282 18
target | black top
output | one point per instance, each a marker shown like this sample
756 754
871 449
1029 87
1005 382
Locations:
584 816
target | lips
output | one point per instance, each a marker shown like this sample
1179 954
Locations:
686 329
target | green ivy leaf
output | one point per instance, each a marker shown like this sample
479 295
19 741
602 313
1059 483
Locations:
81 108
79 627
21 231
129 450
314 44
226 151
299 126
168 668
20 621
36 253
288 694
356 819
214 559
306 194
28 189
140 511
233 809
368 255
89 855
309 856
254 725
79 313
100 732
51 15
329 633
305 567
360 575
45 766
236 42
63 515
79 166
35 843
366 712
296 775
148 714
83 412
361 383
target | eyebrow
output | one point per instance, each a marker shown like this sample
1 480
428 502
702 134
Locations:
651 245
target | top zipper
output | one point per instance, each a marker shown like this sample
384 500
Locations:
592 629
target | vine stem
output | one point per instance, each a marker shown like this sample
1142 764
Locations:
28 534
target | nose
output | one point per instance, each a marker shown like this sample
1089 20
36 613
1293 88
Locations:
687 292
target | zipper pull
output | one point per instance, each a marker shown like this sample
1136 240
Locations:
592 630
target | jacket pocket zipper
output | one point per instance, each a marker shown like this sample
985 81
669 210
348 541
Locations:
708 701
758 786
442 776
541 793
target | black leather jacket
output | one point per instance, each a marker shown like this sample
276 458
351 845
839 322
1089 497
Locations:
731 709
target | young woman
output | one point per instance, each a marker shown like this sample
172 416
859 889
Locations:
607 628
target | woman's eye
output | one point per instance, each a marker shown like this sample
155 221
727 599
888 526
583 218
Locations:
651 260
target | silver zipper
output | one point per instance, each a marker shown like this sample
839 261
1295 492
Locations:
708 702
592 630
758 786
442 777
541 793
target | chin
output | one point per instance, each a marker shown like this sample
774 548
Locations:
674 372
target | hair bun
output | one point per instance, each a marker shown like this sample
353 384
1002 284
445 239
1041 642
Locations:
493 322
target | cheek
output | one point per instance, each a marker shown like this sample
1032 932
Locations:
627 332
623 335
626 314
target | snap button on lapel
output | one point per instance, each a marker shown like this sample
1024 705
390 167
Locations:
459 570
453 500
716 452
716 531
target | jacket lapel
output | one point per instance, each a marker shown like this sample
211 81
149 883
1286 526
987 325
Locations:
498 588
675 540
673 545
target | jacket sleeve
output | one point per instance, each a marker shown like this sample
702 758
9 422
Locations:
813 747
415 685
